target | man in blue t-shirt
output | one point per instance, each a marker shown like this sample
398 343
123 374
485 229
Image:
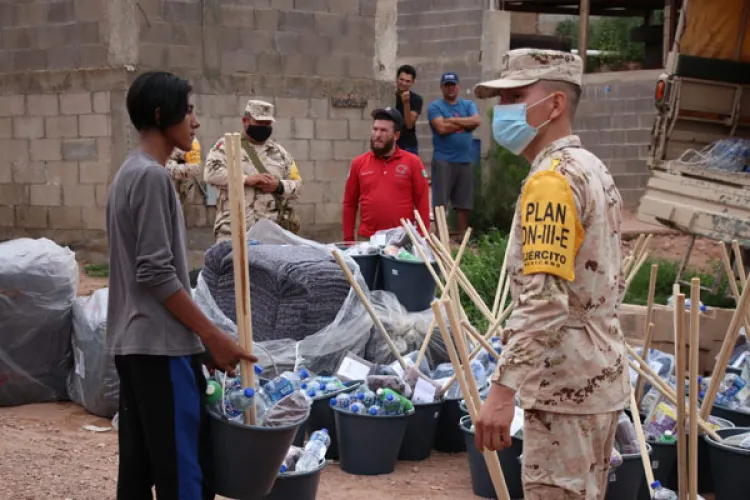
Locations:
452 121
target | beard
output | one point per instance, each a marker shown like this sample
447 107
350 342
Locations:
381 151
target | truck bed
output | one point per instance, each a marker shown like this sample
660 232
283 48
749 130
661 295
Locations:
709 203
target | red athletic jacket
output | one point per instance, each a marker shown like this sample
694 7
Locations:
386 190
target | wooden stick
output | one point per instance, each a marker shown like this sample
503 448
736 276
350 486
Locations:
491 459
679 343
423 255
648 326
444 295
634 253
240 263
695 298
478 338
738 259
368 306
636 268
500 292
733 283
725 353
641 442
455 297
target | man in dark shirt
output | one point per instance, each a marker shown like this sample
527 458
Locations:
409 104
154 329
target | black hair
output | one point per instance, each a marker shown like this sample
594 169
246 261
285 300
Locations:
571 90
408 69
157 90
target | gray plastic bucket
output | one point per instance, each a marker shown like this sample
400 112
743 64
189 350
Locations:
369 445
321 417
705 474
299 438
297 485
448 435
730 466
663 460
625 481
369 266
240 470
738 418
481 483
420 431
411 282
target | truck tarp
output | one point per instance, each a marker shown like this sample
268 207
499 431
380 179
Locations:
712 29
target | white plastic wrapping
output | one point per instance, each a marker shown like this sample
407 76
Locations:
351 330
93 382
38 284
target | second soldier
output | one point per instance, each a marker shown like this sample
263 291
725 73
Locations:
271 179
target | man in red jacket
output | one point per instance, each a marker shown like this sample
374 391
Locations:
386 184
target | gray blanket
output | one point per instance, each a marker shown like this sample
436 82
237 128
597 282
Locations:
294 290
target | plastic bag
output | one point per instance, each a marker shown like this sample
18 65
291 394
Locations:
38 284
351 331
93 383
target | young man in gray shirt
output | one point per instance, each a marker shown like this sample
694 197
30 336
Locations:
154 329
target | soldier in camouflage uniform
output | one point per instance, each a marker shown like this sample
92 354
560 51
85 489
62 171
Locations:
268 189
184 169
564 351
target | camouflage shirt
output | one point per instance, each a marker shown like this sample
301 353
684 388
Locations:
184 169
277 161
564 349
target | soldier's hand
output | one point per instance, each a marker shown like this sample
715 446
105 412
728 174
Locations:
254 180
269 184
492 428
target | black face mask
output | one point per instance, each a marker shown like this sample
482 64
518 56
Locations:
259 133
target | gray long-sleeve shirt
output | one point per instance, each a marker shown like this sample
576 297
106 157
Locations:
147 262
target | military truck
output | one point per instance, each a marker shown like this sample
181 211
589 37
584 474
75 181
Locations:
703 98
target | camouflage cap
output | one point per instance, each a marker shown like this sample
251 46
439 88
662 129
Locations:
522 67
260 110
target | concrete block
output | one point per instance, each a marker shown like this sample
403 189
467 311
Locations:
306 212
43 195
30 60
45 149
238 62
92 172
303 128
282 129
30 14
60 126
14 194
31 217
291 107
241 16
104 148
184 57
195 216
266 19
332 171
94 126
61 172
367 9
349 44
43 105
14 149
360 129
331 129
269 63
328 213
12 105
330 65
299 149
297 64
101 193
344 6
25 172
313 192
75 103
335 192
638 136
6 128
296 21
176 11
6 172
347 150
7 217
152 55
349 113
286 42
62 11
229 40
318 108
282 4
258 42
359 67
65 218
79 150
311 5
83 195
321 150
94 218
329 24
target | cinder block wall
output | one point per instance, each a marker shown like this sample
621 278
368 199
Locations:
65 132
614 121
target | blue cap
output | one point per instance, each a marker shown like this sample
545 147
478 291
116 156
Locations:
304 373
448 78
656 485
258 369
333 401
249 392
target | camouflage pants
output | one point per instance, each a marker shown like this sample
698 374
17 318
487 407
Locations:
566 457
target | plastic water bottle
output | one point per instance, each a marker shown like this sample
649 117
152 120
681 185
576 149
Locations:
213 393
358 409
315 451
279 388
242 399
366 397
661 493
291 459
394 403
667 438
342 401
376 411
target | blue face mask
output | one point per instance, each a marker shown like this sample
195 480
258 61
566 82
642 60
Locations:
510 128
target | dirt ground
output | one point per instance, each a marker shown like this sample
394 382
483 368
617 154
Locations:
46 453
